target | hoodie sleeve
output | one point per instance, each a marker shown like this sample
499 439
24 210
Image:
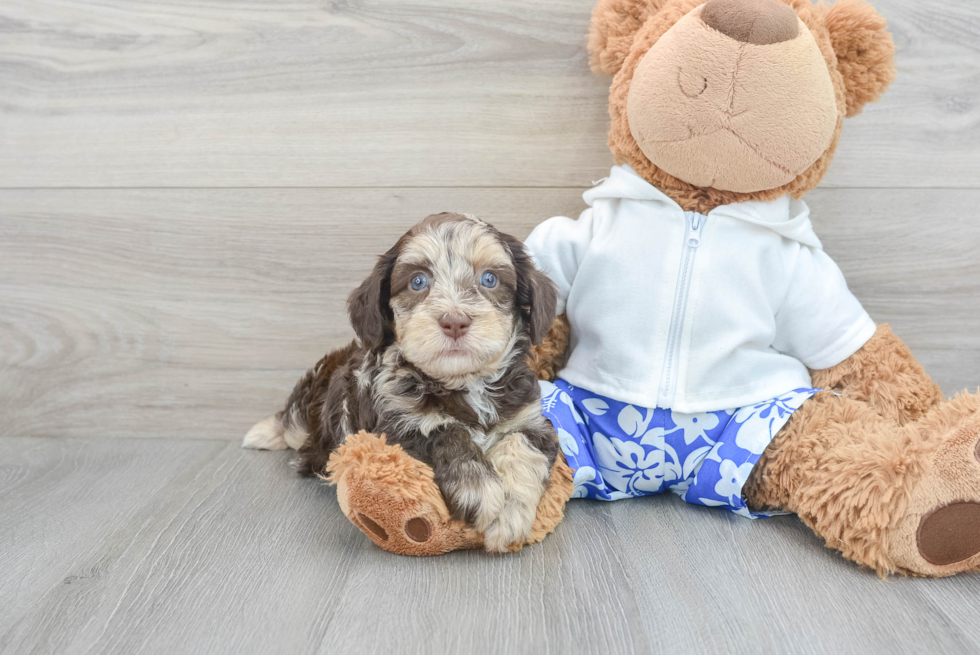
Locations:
558 246
820 322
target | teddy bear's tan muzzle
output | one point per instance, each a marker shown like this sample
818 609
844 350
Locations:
760 22
735 96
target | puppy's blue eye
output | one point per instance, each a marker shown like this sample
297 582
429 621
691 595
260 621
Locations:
419 282
489 280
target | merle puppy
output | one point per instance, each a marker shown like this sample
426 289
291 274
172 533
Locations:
444 323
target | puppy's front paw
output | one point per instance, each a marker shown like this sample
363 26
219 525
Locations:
489 505
512 527
475 497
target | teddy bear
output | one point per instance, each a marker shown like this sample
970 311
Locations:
706 344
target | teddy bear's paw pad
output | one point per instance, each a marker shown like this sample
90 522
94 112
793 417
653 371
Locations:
371 525
418 530
950 534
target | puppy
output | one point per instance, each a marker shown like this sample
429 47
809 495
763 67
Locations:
444 326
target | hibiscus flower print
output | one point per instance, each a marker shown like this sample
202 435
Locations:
733 478
695 426
627 466
759 423
632 422
586 482
621 450
568 444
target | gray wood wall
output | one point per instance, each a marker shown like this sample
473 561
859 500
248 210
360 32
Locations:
189 190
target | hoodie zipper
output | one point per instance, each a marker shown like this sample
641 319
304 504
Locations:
692 239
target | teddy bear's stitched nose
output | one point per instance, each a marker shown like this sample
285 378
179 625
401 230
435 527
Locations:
760 22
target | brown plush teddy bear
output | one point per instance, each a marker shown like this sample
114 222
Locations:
724 114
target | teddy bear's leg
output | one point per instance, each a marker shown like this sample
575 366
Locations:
884 374
896 498
392 498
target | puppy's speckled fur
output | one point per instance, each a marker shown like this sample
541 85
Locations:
469 407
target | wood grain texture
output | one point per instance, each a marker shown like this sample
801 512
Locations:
136 547
145 329
431 93
192 313
769 586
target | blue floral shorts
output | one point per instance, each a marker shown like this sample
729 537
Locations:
619 450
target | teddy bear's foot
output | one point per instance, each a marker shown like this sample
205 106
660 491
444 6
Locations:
939 534
393 499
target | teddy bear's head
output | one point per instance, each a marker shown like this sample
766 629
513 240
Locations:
729 100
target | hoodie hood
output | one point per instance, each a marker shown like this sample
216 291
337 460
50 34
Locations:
785 216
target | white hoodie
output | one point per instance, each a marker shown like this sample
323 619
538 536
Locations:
695 313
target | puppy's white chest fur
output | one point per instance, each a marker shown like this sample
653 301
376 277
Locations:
478 398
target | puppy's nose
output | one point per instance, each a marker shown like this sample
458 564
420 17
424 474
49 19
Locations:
454 325
761 22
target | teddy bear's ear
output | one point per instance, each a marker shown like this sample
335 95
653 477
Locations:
865 51
614 24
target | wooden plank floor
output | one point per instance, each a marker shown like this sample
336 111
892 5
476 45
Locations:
166 546
188 191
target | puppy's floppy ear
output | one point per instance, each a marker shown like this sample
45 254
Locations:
543 296
614 24
537 297
368 305
865 51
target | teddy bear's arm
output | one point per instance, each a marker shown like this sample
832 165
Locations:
549 356
884 374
